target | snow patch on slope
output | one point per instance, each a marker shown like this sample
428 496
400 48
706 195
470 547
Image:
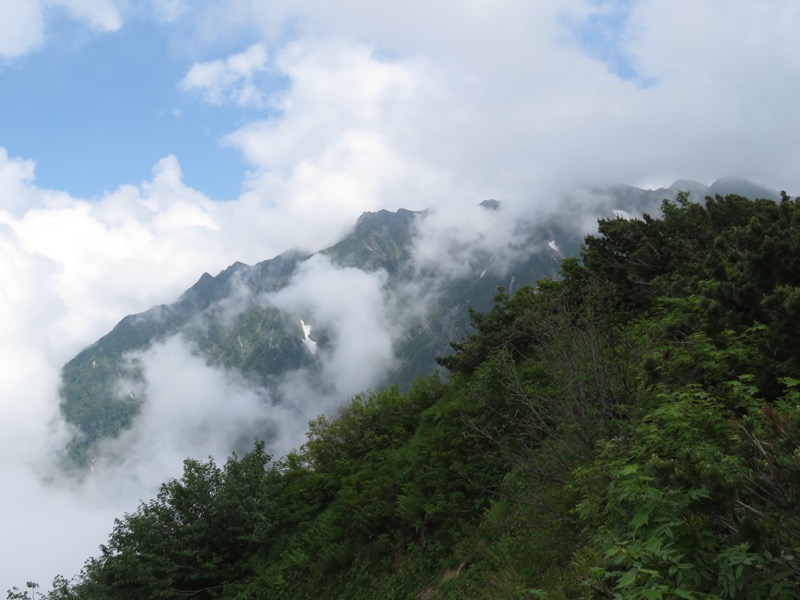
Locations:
310 344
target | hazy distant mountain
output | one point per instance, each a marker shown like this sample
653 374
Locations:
230 321
723 187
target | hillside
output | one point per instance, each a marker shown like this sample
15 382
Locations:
627 431
232 319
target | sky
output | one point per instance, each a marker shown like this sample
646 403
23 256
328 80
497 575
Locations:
145 142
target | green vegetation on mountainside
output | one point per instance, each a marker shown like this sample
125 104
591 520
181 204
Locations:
229 321
631 430
96 395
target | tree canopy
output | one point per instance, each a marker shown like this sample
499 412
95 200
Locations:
630 430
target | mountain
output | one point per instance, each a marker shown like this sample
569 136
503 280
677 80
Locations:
231 320
723 187
630 430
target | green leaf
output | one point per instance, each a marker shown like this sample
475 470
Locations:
639 519
627 579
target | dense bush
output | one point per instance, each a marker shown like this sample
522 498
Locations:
631 430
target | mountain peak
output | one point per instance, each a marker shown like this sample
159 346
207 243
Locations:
742 187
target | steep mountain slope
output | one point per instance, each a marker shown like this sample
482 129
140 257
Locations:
231 321
629 431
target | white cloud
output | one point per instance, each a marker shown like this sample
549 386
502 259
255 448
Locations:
336 150
506 101
54 528
70 270
231 79
335 88
718 44
98 249
170 11
471 238
21 28
351 305
192 410
102 15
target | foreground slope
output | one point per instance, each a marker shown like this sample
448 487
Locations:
630 431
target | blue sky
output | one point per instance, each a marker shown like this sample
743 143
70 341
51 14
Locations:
603 34
96 110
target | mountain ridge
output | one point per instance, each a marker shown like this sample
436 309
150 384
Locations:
229 323
628 430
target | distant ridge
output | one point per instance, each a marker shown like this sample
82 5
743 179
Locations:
263 342
722 186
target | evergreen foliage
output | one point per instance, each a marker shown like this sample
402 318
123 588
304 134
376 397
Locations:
631 430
